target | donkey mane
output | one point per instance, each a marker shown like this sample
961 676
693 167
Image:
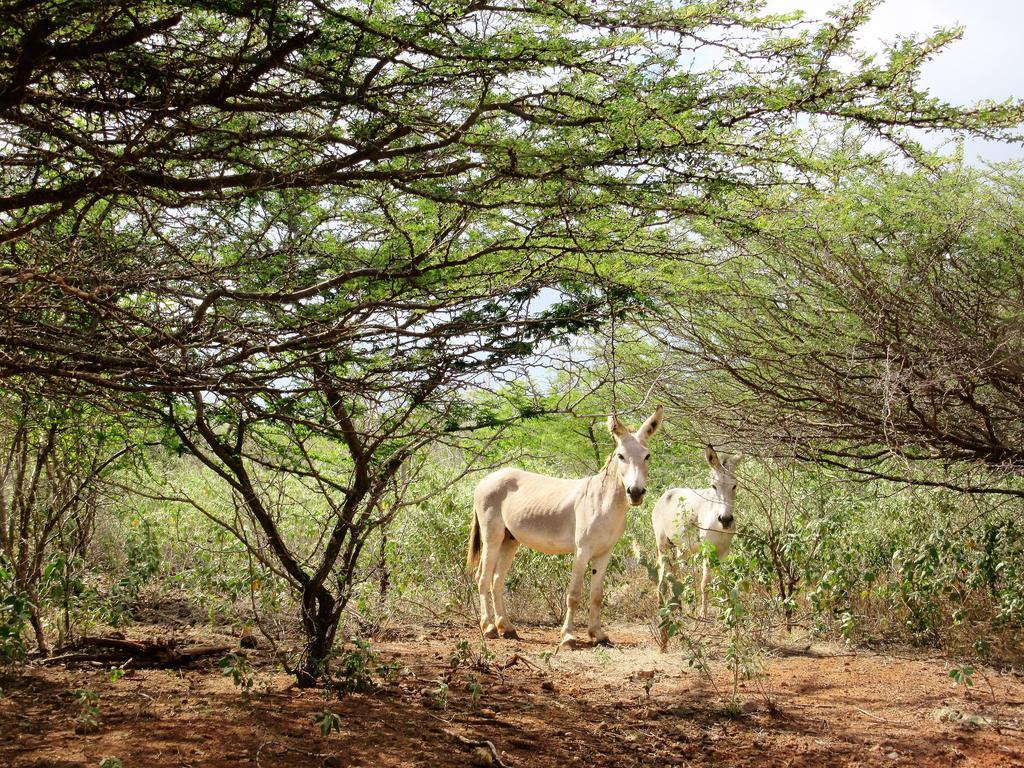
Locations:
605 472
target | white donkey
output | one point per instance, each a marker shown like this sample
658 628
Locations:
686 517
557 516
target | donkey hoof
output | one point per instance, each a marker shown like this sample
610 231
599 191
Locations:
601 639
569 642
510 634
491 632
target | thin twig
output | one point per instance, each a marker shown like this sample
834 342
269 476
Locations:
879 718
470 744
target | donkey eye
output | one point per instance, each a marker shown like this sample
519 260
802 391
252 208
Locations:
714 487
621 457
647 457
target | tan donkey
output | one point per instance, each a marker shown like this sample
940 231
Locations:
557 516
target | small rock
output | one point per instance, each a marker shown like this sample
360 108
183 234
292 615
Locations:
481 756
487 712
247 639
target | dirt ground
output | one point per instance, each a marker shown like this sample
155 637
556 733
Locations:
626 705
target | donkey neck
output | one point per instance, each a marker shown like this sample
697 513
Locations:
607 489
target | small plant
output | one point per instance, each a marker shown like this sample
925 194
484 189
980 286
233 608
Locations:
440 695
963 675
236 665
648 684
476 690
356 668
461 655
89 718
357 665
111 762
328 721
732 708
388 672
484 655
115 674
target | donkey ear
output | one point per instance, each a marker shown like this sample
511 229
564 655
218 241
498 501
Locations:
615 426
735 460
650 426
712 457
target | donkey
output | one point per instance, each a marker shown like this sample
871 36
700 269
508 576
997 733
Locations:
686 517
557 516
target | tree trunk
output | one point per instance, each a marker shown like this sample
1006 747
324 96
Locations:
37 627
319 623
385 575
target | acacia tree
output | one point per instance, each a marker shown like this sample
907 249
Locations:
302 216
54 457
878 329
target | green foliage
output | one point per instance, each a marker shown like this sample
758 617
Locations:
328 721
461 656
141 561
89 719
475 688
737 605
350 280
872 318
963 675
439 696
14 617
236 666
355 667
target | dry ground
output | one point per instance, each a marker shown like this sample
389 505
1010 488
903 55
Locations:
819 706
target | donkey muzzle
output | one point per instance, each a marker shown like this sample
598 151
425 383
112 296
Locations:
636 495
725 520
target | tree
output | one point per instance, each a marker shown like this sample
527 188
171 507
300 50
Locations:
151 152
882 321
256 221
53 460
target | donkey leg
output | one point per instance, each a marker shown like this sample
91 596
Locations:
509 547
661 566
485 580
665 552
705 573
572 596
663 598
599 565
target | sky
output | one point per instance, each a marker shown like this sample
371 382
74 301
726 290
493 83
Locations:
987 63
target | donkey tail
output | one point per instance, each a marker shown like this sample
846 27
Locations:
473 555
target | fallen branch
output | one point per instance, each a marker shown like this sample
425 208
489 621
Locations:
879 718
514 659
141 653
470 745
